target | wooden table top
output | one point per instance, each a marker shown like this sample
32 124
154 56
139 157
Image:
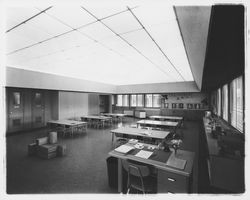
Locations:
159 159
115 114
96 117
159 123
66 122
166 117
142 132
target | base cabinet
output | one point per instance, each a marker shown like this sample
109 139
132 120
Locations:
172 183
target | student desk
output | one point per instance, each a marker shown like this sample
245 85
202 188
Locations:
169 179
71 124
154 134
172 118
97 118
153 123
118 116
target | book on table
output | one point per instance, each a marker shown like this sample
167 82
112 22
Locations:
124 148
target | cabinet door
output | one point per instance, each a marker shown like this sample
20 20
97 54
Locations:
37 109
15 109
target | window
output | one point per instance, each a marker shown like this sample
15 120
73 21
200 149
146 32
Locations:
236 103
133 100
17 99
149 100
125 100
225 102
113 99
219 102
140 100
119 100
38 99
156 100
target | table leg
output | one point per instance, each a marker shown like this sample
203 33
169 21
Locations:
120 175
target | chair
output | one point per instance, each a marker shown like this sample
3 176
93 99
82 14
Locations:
140 177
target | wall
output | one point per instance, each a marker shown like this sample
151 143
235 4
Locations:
189 86
72 104
93 104
31 79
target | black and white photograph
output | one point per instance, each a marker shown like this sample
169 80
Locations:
133 99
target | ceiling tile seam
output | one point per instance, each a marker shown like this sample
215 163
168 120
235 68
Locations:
123 39
28 19
143 27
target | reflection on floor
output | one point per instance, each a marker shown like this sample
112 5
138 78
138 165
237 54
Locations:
82 170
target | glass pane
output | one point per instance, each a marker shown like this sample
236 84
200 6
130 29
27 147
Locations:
125 100
219 102
140 100
133 100
113 99
17 98
119 100
38 99
225 102
148 99
156 100
239 112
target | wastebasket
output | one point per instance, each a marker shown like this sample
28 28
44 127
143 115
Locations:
112 167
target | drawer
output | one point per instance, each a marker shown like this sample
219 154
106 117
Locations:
172 182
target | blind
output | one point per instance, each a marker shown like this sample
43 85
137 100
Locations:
225 102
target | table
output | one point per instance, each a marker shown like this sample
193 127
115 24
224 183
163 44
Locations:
172 118
160 135
101 119
119 116
169 179
158 123
70 125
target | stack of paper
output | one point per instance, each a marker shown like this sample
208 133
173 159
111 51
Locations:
124 148
178 163
144 154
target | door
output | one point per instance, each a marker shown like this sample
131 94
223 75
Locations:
15 115
104 103
37 98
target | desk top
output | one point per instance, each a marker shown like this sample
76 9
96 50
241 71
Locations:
160 123
142 132
115 114
159 159
66 122
166 117
96 117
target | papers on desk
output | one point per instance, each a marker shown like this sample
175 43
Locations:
178 163
124 148
144 154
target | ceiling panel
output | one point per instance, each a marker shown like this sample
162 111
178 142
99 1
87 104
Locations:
47 24
74 16
97 31
122 23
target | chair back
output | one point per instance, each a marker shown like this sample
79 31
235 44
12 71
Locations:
136 169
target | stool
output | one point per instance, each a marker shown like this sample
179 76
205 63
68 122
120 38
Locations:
61 150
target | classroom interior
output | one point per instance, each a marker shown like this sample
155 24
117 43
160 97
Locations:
114 98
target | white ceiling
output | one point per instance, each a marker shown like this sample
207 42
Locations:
114 49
